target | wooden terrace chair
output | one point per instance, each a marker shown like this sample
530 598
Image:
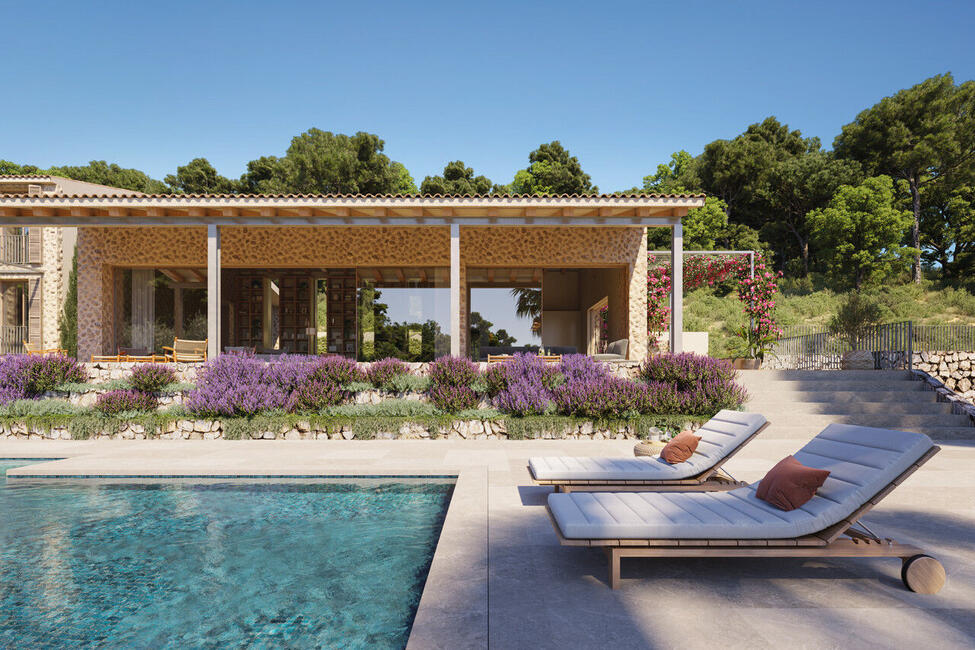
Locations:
31 350
186 351
722 437
865 465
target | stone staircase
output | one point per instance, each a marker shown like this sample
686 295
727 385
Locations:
800 403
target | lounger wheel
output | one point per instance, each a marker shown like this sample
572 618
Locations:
923 574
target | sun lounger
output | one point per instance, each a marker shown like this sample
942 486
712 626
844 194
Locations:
721 438
865 465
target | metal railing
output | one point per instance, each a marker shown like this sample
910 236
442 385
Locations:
809 348
12 339
893 345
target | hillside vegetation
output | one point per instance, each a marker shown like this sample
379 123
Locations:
800 304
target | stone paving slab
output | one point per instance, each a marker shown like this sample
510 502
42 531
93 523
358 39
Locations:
499 577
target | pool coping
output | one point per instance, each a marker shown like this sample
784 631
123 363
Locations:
453 607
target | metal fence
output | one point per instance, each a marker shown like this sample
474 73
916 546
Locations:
12 339
893 345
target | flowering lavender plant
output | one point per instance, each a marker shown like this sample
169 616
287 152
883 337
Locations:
26 376
120 401
523 397
582 368
315 396
453 371
451 399
602 397
239 384
381 373
151 377
331 370
686 370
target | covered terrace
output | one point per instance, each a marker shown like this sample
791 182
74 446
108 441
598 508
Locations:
293 273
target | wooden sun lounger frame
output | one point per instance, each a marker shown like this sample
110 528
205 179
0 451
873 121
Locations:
712 479
920 573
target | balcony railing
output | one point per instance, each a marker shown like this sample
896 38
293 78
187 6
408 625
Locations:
13 249
12 339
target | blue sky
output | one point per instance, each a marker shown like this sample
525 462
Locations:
621 84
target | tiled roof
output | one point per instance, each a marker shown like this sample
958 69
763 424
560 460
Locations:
368 196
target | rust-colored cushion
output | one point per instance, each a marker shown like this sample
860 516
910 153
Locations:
680 448
790 484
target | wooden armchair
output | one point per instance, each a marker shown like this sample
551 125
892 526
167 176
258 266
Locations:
186 351
30 349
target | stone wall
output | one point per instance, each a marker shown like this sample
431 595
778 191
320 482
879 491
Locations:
955 370
214 430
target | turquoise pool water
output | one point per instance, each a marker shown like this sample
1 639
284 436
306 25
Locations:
188 563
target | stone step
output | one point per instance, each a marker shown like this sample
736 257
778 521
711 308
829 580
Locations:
881 420
853 386
889 396
825 375
778 405
805 433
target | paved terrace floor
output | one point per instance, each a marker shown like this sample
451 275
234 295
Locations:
499 577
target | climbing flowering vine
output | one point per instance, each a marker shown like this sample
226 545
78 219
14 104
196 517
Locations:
756 294
758 297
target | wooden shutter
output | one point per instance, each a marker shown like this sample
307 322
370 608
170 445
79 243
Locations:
35 245
35 312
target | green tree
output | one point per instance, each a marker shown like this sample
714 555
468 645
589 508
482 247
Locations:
948 225
200 177
99 171
68 319
861 232
265 175
403 183
796 186
737 171
552 170
320 162
679 176
920 134
12 168
457 179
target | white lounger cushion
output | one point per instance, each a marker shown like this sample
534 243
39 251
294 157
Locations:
862 462
719 436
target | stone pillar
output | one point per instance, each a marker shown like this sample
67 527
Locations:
677 289
213 291
637 301
455 292
96 300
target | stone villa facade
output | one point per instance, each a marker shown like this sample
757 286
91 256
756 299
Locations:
256 265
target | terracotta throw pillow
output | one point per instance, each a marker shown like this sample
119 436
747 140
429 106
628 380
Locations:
680 448
790 484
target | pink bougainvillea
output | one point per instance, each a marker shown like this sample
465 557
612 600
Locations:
704 271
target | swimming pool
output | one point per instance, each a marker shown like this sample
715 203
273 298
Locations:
214 563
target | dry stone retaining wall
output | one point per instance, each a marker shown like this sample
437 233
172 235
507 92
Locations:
188 429
955 370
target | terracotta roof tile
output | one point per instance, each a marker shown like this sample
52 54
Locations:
359 196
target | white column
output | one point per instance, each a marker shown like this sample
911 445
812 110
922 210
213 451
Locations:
677 289
213 291
455 290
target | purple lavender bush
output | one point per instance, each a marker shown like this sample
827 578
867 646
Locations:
239 385
120 401
453 371
315 396
602 397
382 372
579 367
24 376
151 377
686 370
713 395
522 397
331 370
451 399
497 377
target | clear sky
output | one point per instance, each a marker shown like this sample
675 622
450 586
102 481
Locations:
621 84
